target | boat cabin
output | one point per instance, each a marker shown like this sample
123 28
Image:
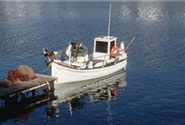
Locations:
103 46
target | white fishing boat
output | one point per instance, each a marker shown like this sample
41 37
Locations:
75 64
68 91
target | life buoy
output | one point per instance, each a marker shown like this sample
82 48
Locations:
114 51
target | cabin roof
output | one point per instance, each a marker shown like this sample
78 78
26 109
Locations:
105 38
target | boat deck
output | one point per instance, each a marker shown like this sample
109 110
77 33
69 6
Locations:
24 86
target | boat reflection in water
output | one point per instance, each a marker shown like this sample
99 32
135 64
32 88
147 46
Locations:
101 89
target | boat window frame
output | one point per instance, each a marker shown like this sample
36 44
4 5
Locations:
99 48
111 45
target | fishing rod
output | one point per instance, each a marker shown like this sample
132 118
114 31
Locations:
131 41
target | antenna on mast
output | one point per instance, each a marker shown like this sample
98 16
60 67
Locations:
109 20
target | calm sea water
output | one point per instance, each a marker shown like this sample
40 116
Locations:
155 92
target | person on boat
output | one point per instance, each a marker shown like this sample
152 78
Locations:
75 50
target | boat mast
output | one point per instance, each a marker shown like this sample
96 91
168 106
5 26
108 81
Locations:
109 20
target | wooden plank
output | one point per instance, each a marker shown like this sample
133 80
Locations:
27 85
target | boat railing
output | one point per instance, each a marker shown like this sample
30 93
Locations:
104 60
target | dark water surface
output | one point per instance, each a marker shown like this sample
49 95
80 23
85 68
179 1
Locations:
155 92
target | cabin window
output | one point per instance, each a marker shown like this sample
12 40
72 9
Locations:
112 44
101 47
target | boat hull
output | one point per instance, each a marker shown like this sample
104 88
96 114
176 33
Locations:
67 75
